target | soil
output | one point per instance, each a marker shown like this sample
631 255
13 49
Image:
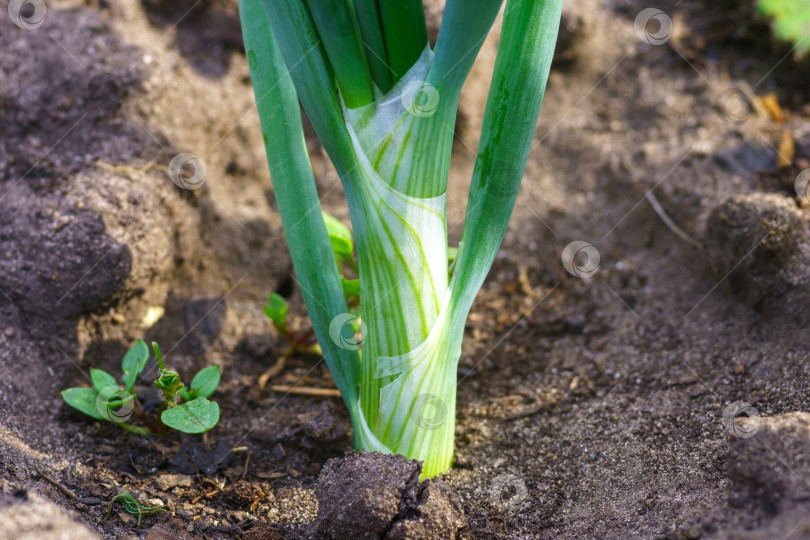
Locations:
588 407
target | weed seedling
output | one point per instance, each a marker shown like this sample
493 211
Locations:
132 506
184 409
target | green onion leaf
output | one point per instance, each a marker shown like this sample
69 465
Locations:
293 182
368 19
336 24
403 25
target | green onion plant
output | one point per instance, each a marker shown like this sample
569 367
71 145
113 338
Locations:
383 102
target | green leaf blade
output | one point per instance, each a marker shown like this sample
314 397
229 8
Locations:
293 181
368 20
196 416
351 287
276 310
337 28
101 379
405 33
133 363
205 382
522 65
83 400
339 235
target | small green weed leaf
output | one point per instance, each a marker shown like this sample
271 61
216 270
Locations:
340 236
114 404
205 381
791 21
276 309
102 379
84 400
133 363
351 287
196 416
186 395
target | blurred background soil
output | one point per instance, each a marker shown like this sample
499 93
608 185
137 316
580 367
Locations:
588 408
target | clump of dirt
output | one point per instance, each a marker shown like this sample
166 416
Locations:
760 242
375 495
769 465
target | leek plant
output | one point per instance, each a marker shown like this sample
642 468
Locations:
383 102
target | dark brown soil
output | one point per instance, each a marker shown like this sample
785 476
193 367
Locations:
588 408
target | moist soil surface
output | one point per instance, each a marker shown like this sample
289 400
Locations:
593 402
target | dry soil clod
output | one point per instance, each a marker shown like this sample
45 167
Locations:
375 495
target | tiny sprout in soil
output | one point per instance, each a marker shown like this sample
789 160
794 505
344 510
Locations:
132 506
185 409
